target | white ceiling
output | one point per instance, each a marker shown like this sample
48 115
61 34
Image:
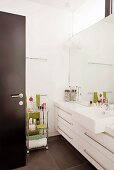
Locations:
64 4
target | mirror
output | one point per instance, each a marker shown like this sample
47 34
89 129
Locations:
92 59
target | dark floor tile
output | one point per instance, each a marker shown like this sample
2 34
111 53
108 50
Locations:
91 166
83 166
54 138
22 168
75 151
60 156
63 155
41 160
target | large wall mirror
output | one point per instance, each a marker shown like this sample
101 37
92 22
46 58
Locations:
92 59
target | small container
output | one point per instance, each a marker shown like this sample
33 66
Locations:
73 95
30 121
34 121
32 127
44 105
99 103
91 103
67 95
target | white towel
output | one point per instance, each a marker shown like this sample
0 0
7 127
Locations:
37 143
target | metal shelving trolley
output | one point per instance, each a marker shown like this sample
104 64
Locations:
37 126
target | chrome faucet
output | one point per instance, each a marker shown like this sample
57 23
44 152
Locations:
78 90
106 104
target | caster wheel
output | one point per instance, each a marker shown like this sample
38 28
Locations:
46 147
27 152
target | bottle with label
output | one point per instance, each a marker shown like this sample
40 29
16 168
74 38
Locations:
67 96
73 95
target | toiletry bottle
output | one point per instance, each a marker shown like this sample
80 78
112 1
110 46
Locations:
91 103
67 95
79 94
101 98
73 95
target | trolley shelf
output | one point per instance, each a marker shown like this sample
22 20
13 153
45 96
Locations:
41 130
41 126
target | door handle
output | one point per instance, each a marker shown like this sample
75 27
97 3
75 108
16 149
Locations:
17 95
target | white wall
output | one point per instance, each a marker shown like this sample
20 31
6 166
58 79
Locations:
112 6
47 29
88 14
94 44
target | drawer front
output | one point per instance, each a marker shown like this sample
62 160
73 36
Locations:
65 115
64 122
100 161
75 141
103 142
75 128
65 131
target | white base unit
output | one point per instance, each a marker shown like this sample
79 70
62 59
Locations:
75 141
65 135
102 142
99 160
97 148
65 130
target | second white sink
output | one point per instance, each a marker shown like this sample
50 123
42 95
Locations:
93 118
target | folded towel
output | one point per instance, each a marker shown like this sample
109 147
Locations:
37 143
36 137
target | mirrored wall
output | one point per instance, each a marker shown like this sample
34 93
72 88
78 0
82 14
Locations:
92 59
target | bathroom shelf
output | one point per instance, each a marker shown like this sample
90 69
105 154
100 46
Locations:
41 130
106 92
32 58
42 126
105 64
38 136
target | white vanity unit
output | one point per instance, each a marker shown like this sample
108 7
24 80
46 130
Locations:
86 128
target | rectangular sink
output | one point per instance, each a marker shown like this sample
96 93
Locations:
93 118
97 113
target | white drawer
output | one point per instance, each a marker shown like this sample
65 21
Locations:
100 161
75 141
65 131
66 123
103 142
75 128
64 115
67 119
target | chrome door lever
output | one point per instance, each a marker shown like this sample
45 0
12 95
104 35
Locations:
17 95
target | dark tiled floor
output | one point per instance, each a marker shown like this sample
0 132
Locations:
60 156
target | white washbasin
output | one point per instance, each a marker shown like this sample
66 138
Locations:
97 113
110 129
93 118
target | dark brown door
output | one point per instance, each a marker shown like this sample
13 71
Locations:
12 83
108 7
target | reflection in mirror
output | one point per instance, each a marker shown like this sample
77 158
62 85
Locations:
92 60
